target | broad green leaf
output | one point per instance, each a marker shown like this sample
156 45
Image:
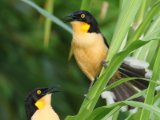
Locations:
48 15
126 18
147 20
152 33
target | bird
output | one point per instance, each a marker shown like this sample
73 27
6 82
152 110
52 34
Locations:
90 49
38 104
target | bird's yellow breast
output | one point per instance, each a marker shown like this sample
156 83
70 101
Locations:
46 113
89 51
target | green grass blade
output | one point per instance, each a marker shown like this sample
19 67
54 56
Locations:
141 93
151 89
126 18
47 29
48 15
150 108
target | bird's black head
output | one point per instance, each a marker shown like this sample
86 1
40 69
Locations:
83 16
34 96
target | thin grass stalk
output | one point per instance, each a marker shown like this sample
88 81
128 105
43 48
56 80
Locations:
48 23
151 89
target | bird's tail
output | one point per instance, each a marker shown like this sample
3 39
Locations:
131 68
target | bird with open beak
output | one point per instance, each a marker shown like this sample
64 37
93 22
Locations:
90 50
38 104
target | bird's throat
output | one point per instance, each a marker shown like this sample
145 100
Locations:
80 27
85 27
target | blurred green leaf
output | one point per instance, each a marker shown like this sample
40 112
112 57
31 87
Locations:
25 64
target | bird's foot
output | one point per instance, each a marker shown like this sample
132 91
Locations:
105 63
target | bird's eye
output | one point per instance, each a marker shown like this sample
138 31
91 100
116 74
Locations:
82 15
39 92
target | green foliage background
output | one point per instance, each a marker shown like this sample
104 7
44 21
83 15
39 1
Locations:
34 54
25 63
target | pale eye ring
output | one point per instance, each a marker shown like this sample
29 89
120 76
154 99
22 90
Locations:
82 15
39 92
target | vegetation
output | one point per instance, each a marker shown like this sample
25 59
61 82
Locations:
34 54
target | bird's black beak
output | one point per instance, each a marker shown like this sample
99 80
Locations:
69 18
52 90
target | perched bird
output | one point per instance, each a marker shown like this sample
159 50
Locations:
38 104
90 50
88 44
